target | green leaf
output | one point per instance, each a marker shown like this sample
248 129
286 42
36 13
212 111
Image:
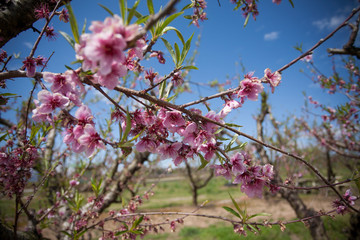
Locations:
137 222
219 130
138 232
298 47
189 67
231 142
259 215
125 145
237 207
128 127
252 227
186 49
106 9
150 7
178 33
232 211
123 8
132 11
142 19
190 5
177 52
357 181
77 61
122 232
3 137
167 21
68 38
69 68
207 107
292 4
169 99
137 136
73 23
233 125
170 49
139 15
168 89
7 94
66 233
246 20
78 235
84 27
162 89
234 148
203 162
34 130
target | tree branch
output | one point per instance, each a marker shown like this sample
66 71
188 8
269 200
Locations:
17 16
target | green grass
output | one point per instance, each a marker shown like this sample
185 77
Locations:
178 193
336 229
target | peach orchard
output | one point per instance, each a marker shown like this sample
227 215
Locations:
144 123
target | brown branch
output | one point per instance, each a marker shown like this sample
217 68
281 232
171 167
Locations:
17 16
328 145
193 115
302 211
316 187
229 91
162 80
6 123
125 176
349 48
153 19
44 29
354 51
131 215
320 42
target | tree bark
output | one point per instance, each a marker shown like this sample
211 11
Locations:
354 226
126 174
17 16
8 233
195 184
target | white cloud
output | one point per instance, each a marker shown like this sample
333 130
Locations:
271 36
327 23
28 45
336 21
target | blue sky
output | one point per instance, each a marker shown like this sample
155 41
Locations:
265 43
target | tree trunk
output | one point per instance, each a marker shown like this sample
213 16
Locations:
8 234
354 227
194 196
17 16
316 225
330 171
126 174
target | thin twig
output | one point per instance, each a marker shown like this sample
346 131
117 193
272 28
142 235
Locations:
43 30
320 42
153 19
204 99
162 80
317 187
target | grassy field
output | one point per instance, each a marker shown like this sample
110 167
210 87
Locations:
175 195
336 230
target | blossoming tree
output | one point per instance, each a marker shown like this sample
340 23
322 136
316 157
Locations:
109 61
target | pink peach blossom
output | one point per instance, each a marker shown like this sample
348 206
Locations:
91 140
49 101
250 89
